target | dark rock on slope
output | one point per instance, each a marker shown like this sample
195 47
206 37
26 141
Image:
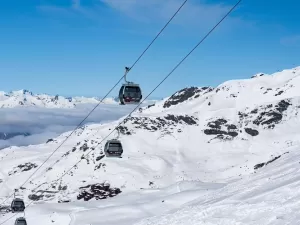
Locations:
258 75
265 116
49 140
154 124
4 209
251 131
269 115
42 195
222 129
186 94
23 168
98 191
260 165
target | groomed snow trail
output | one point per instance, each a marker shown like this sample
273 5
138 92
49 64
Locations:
269 197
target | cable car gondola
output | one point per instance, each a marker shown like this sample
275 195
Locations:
20 221
130 93
113 148
17 205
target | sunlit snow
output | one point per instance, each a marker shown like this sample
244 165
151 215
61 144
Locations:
224 155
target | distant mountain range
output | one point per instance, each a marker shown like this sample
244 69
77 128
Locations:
27 98
23 98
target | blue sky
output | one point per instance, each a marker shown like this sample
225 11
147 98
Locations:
81 47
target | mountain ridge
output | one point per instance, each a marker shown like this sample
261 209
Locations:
25 98
200 137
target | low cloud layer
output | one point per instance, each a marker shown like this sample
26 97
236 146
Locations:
43 124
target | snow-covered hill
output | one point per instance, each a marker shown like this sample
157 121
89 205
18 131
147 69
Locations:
27 98
224 155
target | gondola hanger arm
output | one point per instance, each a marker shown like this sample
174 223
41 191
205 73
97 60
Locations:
127 69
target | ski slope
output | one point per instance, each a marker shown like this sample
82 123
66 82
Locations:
269 196
224 155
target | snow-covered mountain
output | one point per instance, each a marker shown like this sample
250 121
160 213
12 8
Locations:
27 98
224 155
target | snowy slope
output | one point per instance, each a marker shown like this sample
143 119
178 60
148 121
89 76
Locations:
270 196
27 98
229 154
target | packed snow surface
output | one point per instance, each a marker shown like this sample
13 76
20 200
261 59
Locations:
224 155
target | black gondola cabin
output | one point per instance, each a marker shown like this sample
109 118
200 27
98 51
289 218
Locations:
130 93
113 148
20 221
17 205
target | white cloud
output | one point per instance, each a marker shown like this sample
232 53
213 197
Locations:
193 12
195 16
43 124
72 10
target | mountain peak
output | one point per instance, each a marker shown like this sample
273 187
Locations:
21 92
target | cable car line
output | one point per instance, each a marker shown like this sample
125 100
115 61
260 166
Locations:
129 115
135 95
168 75
80 124
158 34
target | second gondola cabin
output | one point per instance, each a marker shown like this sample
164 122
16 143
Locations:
113 148
130 93
20 221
